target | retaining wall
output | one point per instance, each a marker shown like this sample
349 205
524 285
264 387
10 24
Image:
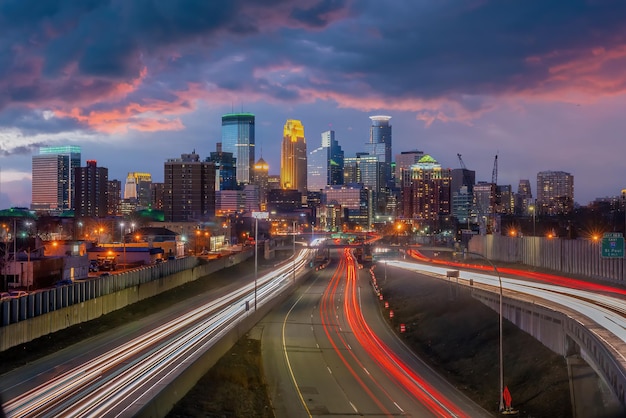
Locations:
45 312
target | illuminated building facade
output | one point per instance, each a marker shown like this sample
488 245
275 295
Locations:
354 201
137 189
238 138
293 162
261 180
555 192
427 196
53 183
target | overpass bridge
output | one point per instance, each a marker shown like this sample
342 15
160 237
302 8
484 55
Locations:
563 329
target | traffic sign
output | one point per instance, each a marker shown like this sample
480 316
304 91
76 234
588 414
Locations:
261 215
612 245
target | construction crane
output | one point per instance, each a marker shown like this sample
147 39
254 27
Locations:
494 173
461 161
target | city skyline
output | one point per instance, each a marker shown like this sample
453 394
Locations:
537 84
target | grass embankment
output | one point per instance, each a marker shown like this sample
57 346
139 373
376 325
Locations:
459 337
234 387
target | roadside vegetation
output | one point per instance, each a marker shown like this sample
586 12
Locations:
234 387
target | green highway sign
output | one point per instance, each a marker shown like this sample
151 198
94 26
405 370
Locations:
612 245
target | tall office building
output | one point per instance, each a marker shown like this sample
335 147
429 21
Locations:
114 196
505 199
404 161
555 192
261 179
428 196
293 161
367 170
524 198
325 164
189 189
91 191
238 139
354 200
157 191
53 183
137 189
226 166
380 145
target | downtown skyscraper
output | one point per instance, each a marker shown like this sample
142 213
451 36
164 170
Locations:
53 183
325 164
293 159
380 146
238 139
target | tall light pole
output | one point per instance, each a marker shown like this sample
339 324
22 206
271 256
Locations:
501 356
256 255
123 241
533 209
294 251
256 216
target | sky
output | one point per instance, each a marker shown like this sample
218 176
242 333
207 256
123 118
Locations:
540 83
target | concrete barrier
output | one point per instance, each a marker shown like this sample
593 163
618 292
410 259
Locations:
106 296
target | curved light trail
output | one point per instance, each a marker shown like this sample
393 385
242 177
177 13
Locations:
609 312
110 384
402 376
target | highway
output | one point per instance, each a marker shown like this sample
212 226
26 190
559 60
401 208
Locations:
330 348
118 381
607 309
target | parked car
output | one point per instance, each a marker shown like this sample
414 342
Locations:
106 273
93 265
17 293
5 295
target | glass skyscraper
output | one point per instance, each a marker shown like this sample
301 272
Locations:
380 145
53 183
238 139
325 164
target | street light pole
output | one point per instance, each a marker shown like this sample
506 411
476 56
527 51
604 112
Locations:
123 241
501 355
294 251
256 255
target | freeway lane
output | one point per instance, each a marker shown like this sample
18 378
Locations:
331 349
114 382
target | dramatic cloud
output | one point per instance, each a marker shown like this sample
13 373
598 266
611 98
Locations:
115 68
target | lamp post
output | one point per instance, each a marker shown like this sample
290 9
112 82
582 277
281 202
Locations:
123 241
532 209
500 343
256 255
294 251
256 216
